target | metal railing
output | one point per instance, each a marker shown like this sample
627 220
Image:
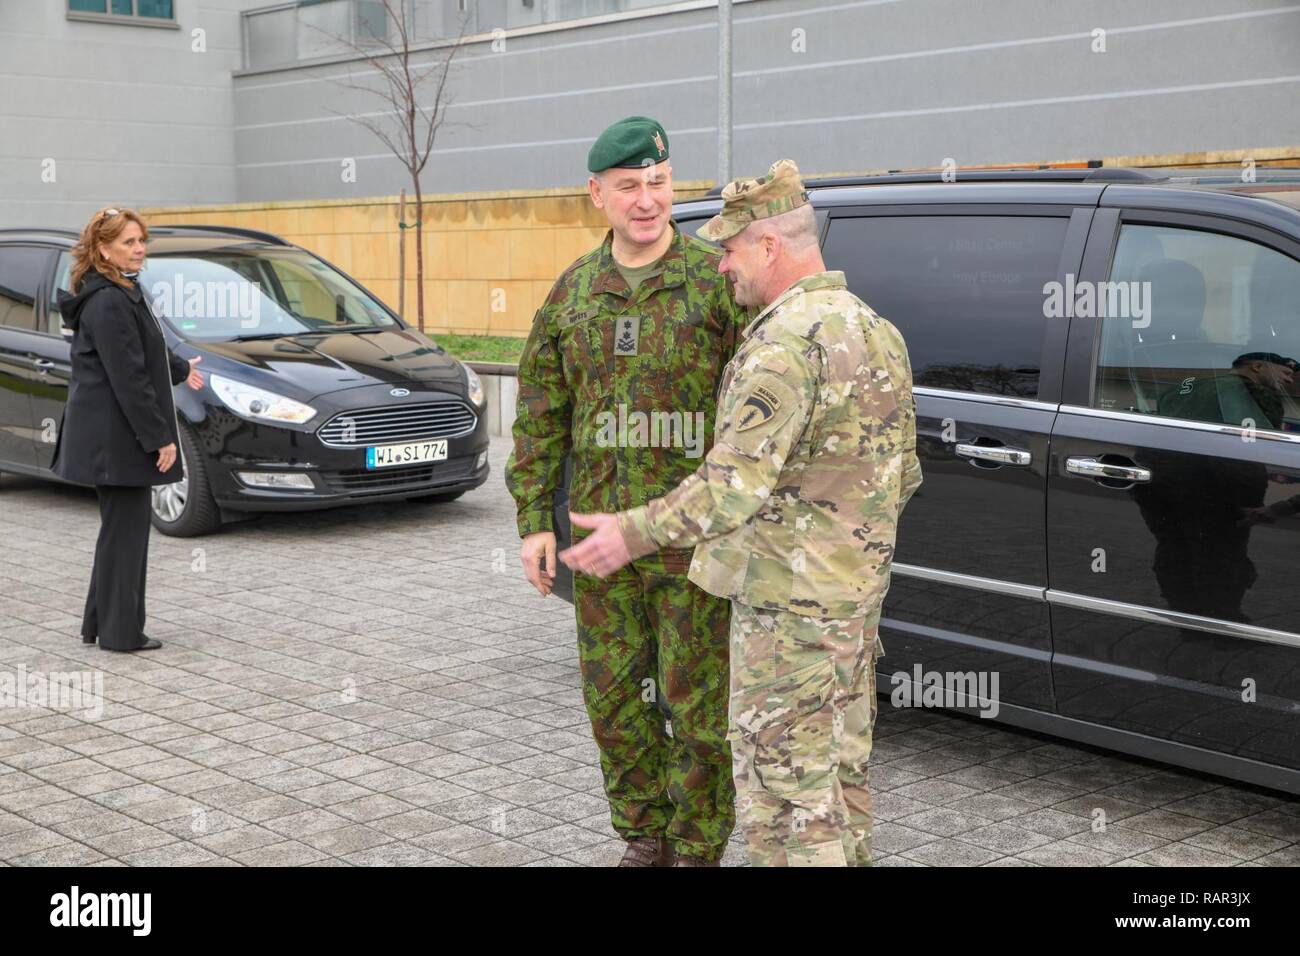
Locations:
307 30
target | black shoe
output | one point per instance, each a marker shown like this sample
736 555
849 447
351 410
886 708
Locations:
148 645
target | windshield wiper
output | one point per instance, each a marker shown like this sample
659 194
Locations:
352 329
261 335
355 329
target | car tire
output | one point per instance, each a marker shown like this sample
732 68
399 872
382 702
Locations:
186 509
437 499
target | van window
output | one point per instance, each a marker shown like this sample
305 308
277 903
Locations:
21 270
1200 326
967 292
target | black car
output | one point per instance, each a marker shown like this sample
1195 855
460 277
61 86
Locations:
1109 518
317 394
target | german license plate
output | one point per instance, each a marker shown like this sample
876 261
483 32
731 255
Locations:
412 453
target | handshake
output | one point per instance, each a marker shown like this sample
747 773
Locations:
601 553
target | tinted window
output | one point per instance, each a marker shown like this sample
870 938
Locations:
21 270
965 291
222 295
1200 326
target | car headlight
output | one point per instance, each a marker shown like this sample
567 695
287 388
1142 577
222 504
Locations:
249 401
475 386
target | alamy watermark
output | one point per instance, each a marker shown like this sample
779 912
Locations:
58 690
920 688
651 430
236 299
1100 300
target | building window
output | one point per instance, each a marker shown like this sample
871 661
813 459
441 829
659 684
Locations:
145 10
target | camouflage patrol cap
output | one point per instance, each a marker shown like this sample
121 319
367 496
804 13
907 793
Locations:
632 142
747 200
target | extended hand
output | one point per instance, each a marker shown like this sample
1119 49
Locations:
195 380
601 553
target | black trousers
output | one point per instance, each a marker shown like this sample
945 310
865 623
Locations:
115 602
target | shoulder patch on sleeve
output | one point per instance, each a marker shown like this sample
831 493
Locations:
758 408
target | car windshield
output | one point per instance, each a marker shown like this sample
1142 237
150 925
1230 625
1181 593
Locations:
226 295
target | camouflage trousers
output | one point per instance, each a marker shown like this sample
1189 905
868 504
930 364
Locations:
803 706
649 641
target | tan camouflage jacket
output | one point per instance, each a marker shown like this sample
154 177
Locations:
797 504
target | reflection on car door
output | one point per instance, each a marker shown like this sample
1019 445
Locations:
22 269
1174 491
965 288
53 355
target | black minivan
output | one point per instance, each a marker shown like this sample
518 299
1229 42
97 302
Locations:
317 394
1108 419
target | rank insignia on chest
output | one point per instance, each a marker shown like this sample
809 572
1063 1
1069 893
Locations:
757 409
626 332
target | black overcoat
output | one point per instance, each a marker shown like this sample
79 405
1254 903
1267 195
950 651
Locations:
120 409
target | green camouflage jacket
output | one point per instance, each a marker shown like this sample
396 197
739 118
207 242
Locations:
628 385
797 503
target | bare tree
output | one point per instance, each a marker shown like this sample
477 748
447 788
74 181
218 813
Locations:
410 124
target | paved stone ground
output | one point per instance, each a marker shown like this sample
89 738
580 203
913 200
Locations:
379 686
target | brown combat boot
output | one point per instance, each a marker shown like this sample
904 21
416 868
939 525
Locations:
647 851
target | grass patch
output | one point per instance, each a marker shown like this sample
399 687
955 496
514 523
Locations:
482 348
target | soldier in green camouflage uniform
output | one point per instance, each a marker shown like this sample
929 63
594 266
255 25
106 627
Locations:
624 380
794 511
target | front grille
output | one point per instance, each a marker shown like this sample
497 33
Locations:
397 423
363 481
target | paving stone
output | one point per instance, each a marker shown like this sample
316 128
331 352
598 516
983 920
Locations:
1118 839
1052 823
950 853
64 854
942 821
119 843
1003 838
399 854
1167 824
1184 854
467 741
1236 842
347 839
173 854
1068 853
288 853
453 839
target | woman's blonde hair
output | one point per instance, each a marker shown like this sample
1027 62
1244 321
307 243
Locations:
104 226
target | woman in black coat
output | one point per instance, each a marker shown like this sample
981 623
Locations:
119 429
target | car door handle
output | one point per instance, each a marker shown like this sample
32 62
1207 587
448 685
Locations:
995 453
1092 468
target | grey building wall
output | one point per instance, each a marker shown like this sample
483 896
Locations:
878 83
129 113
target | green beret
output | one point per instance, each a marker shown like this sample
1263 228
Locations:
630 143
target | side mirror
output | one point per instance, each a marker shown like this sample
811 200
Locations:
66 332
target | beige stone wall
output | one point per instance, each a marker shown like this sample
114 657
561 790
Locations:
489 258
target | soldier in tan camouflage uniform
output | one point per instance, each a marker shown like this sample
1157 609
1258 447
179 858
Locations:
794 514
620 374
